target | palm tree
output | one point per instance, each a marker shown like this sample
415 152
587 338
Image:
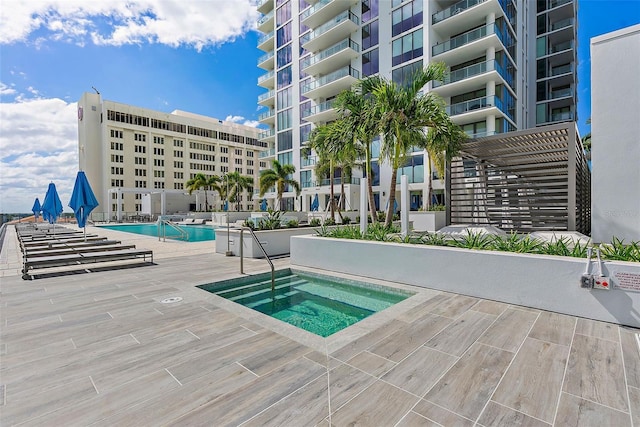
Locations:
201 181
237 184
278 176
409 118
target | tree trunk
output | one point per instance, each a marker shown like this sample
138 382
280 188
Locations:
206 202
392 197
427 205
372 202
331 197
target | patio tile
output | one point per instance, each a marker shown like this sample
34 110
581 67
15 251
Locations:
509 330
631 354
423 308
602 330
533 381
454 306
441 415
379 405
553 327
576 412
498 415
595 372
414 419
634 403
348 351
468 385
420 371
371 363
457 337
494 308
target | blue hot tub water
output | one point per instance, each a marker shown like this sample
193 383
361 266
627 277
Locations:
319 304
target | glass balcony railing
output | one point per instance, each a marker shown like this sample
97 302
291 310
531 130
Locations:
556 3
475 70
265 18
309 161
313 9
262 3
267 114
562 69
266 95
316 109
344 16
454 10
465 38
562 46
331 77
474 104
338 181
345 44
265 57
561 93
557 117
307 184
266 76
263 38
267 153
562 24
266 134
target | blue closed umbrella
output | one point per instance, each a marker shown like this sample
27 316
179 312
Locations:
36 209
225 206
263 205
83 201
315 204
52 206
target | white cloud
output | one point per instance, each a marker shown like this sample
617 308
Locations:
6 90
39 144
169 22
241 120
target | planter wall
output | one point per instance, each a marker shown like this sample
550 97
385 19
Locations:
220 218
275 242
428 221
543 282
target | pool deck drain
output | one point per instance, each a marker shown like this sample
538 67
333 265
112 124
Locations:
433 358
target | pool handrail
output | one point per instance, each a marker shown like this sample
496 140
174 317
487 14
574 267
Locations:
162 231
253 234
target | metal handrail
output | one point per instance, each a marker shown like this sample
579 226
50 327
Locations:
253 234
162 224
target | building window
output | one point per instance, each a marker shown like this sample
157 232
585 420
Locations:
283 14
224 150
178 143
406 17
285 140
369 10
140 137
158 140
370 63
284 56
284 77
414 169
285 119
116 134
283 98
119 146
370 35
402 76
238 152
140 148
283 35
249 153
407 47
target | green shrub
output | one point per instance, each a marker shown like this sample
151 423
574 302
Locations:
516 243
292 223
437 208
315 222
329 221
618 251
381 216
346 220
248 223
473 241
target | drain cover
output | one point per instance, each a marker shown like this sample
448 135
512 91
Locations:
171 300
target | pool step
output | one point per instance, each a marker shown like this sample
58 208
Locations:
269 299
279 282
248 292
244 298
345 297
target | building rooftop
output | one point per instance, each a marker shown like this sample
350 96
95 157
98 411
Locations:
102 348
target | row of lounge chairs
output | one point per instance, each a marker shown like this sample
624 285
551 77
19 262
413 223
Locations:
192 221
46 247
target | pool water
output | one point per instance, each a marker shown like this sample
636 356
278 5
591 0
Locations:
197 233
319 304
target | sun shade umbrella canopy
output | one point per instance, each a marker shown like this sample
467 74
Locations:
83 201
52 206
263 205
36 209
315 204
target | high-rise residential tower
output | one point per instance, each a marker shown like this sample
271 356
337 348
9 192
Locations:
511 66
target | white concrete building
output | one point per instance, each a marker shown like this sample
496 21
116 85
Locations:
511 66
139 160
615 132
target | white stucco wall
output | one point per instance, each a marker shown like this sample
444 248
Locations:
615 129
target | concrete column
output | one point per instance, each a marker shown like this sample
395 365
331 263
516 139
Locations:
491 18
404 205
119 204
364 209
490 53
491 124
163 203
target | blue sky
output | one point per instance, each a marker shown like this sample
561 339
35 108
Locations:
197 56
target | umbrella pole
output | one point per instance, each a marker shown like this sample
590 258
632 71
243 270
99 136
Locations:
85 233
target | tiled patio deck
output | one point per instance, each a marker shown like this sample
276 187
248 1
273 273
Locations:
101 349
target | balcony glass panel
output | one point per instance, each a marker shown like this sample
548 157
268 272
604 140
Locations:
562 46
327 105
562 24
313 9
474 70
454 10
463 39
265 57
338 74
476 104
266 134
562 69
266 114
332 23
345 44
266 76
267 153
556 117
266 95
265 18
309 161
263 38
561 93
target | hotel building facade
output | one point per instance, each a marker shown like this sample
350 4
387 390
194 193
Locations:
511 66
138 161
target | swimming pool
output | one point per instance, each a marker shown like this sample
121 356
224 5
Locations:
197 233
319 304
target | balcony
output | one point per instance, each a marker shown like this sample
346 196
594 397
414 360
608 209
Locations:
338 181
565 23
331 32
477 109
561 69
472 77
331 84
267 117
266 22
266 61
267 80
324 10
271 152
267 98
308 162
562 117
471 44
561 93
265 6
457 8
561 47
464 14
266 41
323 112
338 55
